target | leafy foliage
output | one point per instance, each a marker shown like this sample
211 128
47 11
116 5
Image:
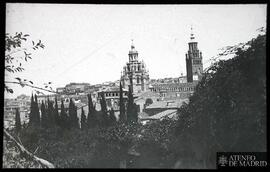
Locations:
16 53
228 109
148 101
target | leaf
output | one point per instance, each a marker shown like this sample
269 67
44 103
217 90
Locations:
33 42
22 84
26 35
19 79
31 82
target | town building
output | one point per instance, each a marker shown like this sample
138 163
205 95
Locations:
77 87
112 96
134 73
22 103
73 88
174 90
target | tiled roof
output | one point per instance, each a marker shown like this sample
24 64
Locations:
167 104
143 115
187 84
147 94
112 89
169 113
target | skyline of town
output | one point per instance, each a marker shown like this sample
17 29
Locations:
157 40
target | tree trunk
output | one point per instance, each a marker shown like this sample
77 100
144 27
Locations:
28 154
123 163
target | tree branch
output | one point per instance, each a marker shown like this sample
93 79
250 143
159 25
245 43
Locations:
26 153
12 82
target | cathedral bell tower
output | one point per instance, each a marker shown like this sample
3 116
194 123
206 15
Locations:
134 73
133 54
194 64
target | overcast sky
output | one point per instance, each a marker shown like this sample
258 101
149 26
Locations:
90 43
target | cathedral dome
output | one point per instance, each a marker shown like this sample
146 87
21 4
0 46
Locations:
133 50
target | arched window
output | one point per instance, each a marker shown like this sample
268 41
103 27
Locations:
138 80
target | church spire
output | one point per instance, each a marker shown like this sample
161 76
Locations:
132 44
192 37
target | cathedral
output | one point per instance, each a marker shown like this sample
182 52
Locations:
134 73
194 64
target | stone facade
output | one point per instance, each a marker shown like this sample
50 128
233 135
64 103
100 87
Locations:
135 71
174 90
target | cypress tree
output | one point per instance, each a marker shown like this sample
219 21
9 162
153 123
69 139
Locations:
91 117
56 113
112 117
132 115
44 116
70 113
76 119
17 120
73 118
32 110
83 120
37 115
50 112
63 117
122 116
103 105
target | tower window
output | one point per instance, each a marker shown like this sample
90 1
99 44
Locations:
138 80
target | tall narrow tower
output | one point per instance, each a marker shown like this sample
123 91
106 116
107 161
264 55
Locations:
194 64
